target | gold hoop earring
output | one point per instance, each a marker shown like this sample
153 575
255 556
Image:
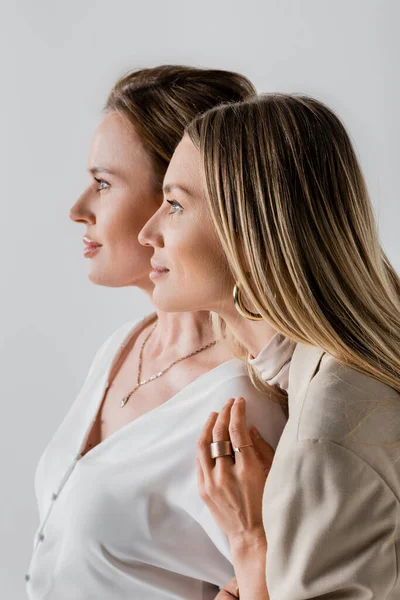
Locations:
247 314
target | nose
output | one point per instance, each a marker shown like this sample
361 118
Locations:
81 212
150 234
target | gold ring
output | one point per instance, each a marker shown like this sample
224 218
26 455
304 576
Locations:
239 448
223 448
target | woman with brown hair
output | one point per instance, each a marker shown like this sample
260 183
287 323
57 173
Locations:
116 486
284 208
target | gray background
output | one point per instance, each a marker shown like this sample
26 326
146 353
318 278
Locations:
59 60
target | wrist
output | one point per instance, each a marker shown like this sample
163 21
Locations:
248 542
248 555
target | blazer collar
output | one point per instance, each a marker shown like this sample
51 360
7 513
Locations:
304 364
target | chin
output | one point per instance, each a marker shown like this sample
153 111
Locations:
115 280
104 281
172 303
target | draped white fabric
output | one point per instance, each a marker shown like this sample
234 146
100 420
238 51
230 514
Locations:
125 520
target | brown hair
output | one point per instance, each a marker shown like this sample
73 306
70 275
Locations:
160 101
282 178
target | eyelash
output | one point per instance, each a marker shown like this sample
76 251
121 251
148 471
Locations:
100 181
174 204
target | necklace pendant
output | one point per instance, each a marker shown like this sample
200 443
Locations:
160 373
125 400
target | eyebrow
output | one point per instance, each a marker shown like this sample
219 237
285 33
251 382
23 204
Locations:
94 170
168 187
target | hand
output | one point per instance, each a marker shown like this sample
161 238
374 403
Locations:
232 487
228 592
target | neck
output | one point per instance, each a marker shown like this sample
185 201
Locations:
253 335
189 330
182 331
185 331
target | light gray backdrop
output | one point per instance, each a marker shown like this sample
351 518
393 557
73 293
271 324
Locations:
59 60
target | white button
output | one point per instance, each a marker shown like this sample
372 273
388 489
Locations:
41 537
54 496
27 577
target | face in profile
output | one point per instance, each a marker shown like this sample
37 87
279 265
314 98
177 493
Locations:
120 198
190 271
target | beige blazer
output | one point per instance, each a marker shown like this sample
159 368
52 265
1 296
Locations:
331 502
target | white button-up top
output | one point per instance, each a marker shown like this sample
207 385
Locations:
125 521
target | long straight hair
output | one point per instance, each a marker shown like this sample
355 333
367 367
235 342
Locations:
291 209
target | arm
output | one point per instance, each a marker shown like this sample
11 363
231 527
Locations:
330 521
248 557
232 489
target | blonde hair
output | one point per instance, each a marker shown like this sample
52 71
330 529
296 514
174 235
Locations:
160 101
283 180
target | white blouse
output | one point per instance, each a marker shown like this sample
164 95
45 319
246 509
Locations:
125 520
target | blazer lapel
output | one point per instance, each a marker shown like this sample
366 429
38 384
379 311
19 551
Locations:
305 362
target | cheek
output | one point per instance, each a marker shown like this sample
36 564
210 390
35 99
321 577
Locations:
123 218
197 253
199 277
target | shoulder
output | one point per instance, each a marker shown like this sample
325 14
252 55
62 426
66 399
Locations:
354 411
232 377
341 403
230 380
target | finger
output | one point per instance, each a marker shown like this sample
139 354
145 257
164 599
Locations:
220 433
220 430
204 443
200 479
265 453
238 429
231 588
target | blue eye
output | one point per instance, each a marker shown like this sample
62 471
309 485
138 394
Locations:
101 182
175 206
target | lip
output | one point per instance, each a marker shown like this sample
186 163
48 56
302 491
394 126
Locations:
91 251
89 242
91 246
157 271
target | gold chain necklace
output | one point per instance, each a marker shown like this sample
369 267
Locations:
140 383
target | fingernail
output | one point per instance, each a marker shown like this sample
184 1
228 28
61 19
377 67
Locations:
255 433
239 400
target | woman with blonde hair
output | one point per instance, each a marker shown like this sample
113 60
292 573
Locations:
273 188
120 515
